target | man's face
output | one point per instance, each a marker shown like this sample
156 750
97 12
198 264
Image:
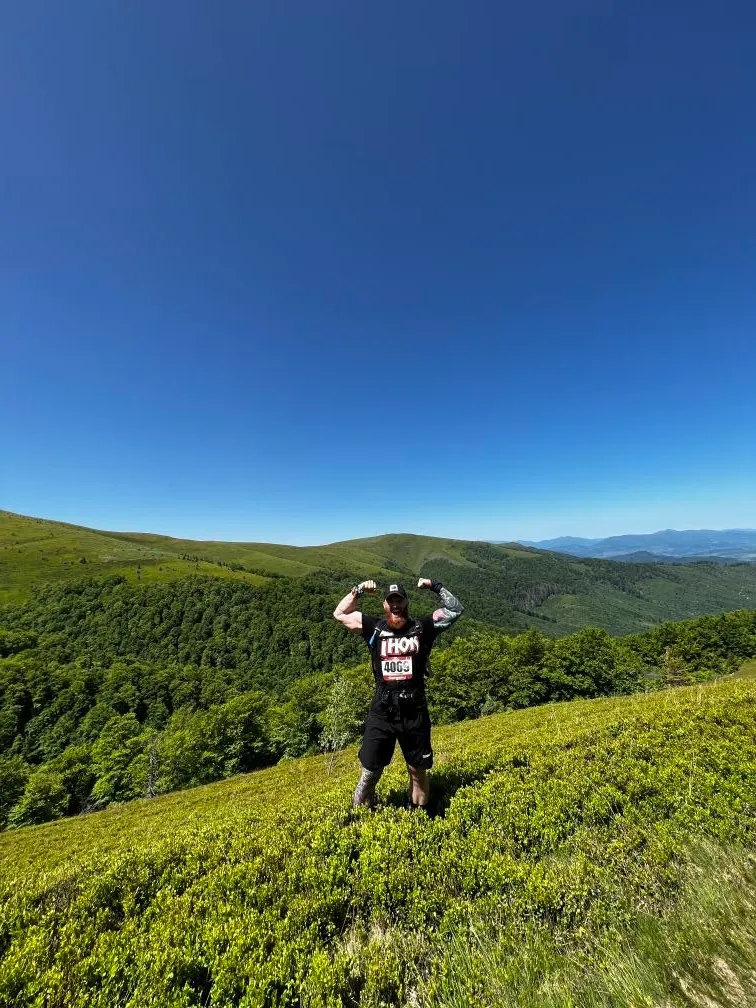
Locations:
396 609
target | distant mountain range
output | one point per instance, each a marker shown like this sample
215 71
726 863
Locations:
670 545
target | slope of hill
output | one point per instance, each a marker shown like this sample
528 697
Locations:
37 551
80 735
556 824
643 556
685 592
561 594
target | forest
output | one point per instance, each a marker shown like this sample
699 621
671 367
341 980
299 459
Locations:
109 693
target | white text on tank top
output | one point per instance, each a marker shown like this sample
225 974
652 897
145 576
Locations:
396 656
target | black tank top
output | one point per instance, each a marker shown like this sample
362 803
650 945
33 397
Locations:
399 657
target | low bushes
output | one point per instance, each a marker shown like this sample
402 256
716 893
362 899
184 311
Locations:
562 821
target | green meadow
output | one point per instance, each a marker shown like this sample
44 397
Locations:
588 853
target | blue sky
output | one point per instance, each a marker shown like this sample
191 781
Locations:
310 271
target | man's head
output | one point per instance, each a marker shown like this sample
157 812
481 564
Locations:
396 604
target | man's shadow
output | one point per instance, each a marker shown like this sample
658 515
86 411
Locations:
444 784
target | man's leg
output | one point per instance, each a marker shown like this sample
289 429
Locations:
415 741
419 786
375 754
365 791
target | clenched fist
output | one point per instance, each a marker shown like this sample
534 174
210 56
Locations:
424 583
368 586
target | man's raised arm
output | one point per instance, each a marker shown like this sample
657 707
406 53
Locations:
451 609
344 611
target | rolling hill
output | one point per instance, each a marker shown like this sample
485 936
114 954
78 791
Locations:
37 551
568 843
504 585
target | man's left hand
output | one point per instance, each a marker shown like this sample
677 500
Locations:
424 583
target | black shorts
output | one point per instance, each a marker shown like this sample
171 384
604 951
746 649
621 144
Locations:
409 725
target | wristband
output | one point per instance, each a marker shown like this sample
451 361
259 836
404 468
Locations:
357 591
436 586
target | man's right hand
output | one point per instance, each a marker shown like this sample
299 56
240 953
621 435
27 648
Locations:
345 610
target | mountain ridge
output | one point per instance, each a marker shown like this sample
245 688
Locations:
41 550
738 543
510 586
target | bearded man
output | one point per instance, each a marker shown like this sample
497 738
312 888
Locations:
399 649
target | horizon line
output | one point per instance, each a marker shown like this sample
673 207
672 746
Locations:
381 535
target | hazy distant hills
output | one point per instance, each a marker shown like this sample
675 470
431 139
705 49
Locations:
505 585
686 546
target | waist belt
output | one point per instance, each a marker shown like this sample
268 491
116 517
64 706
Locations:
395 698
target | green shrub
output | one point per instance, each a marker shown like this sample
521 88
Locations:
45 797
562 820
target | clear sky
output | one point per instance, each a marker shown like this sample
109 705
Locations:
309 271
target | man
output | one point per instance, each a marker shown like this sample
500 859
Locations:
399 648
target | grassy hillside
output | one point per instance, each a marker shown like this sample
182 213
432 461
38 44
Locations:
37 551
34 551
506 585
690 591
567 835
78 735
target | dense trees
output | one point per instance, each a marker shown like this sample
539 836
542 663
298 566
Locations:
14 773
110 691
278 632
699 645
81 735
507 588
270 636
78 734
488 672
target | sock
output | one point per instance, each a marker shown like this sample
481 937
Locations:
364 793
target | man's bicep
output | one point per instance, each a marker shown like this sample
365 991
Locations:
352 621
443 619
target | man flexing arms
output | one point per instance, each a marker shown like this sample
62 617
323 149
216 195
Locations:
399 648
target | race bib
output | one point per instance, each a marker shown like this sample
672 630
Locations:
393 669
396 655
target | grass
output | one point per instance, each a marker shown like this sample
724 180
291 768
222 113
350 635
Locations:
700 954
297 782
748 670
36 551
593 853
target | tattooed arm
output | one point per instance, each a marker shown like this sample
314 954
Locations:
451 609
